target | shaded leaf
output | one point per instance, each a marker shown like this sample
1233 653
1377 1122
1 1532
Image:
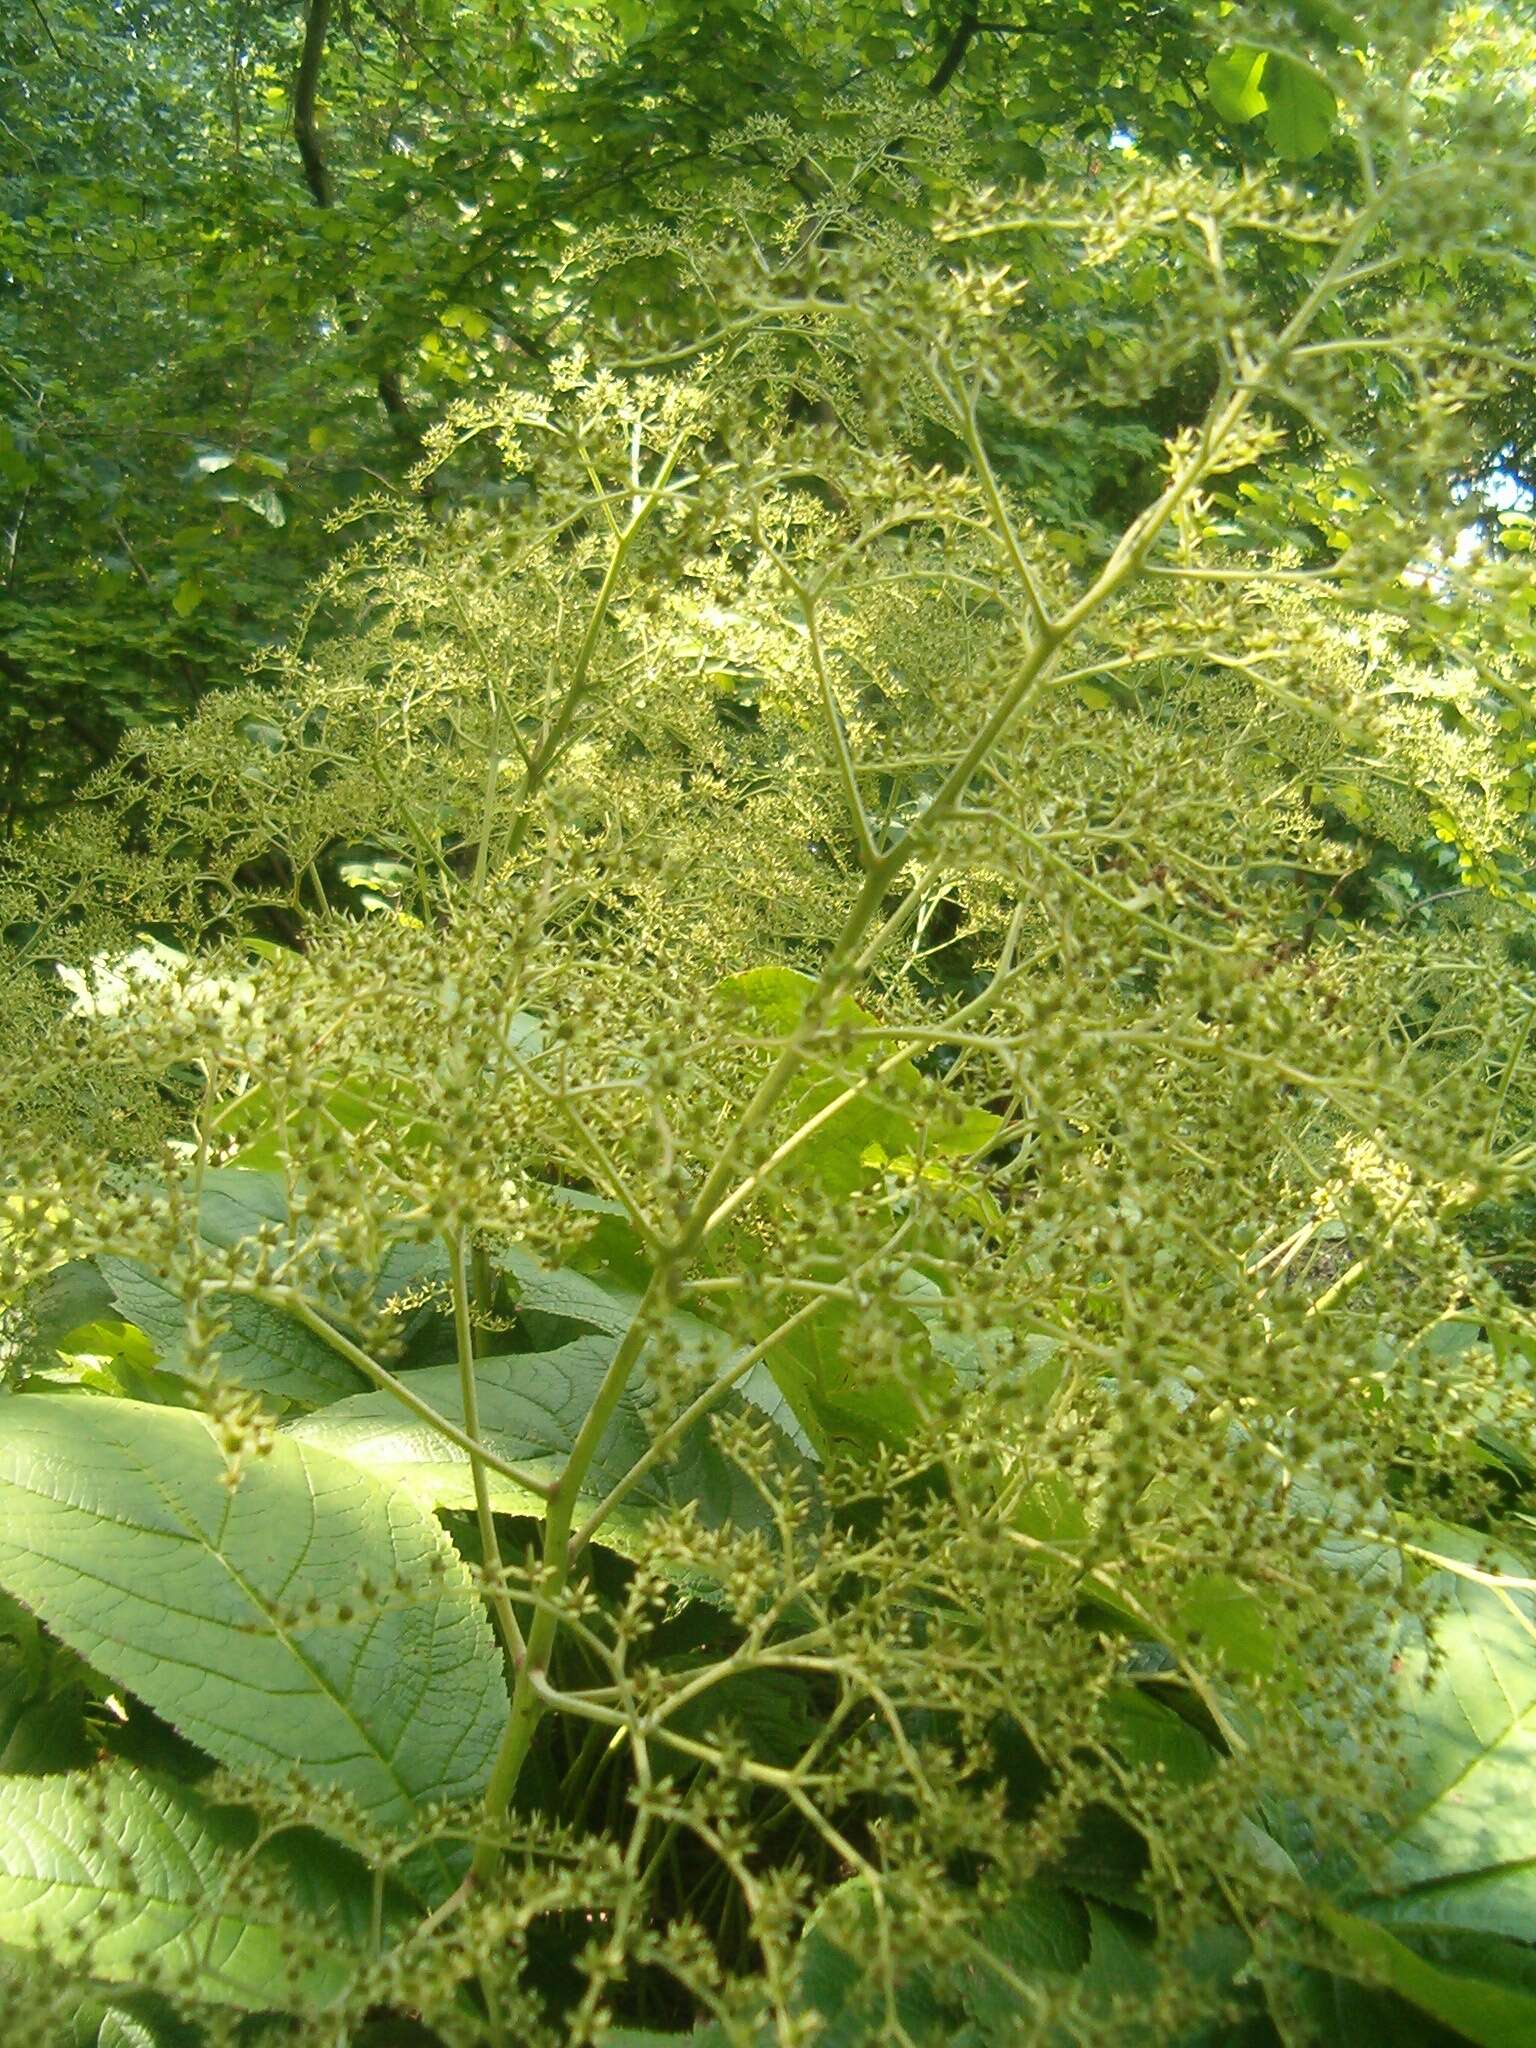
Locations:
142 1871
1492 2015
65 1300
532 1404
1300 110
261 1348
579 1298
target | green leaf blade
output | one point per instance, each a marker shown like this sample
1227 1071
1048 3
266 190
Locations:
116 1528
1300 112
1234 80
261 1349
1489 2014
140 1872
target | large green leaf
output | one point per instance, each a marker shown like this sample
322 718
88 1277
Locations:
563 1291
1441 1914
1042 1937
1461 1850
96 2019
836 1405
261 1348
117 1528
1040 1928
835 1980
531 1406
264 1137
1492 2015
805 1386
1234 79
124 1871
580 1298
903 1115
1301 110
63 1301
767 1713
235 1205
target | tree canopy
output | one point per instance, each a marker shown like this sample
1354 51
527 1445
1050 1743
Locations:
253 252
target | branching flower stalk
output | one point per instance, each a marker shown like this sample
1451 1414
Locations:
848 961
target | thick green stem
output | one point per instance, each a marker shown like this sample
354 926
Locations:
516 1740
527 1707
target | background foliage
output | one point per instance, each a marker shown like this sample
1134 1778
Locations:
201 364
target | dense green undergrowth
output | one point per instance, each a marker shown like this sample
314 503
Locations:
768 1262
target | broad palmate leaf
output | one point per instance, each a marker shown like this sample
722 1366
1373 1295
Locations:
1461 1851
261 1348
311 1619
128 1875
1443 1913
531 1406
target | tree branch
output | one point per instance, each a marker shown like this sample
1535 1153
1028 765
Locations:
306 83
306 133
966 31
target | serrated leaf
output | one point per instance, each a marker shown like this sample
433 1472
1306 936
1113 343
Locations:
562 1291
766 1713
1228 1618
834 1979
1147 1733
261 1348
117 1529
1461 1848
126 2026
130 1870
235 1204
836 1405
579 1298
531 1406
65 1300
1039 1929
